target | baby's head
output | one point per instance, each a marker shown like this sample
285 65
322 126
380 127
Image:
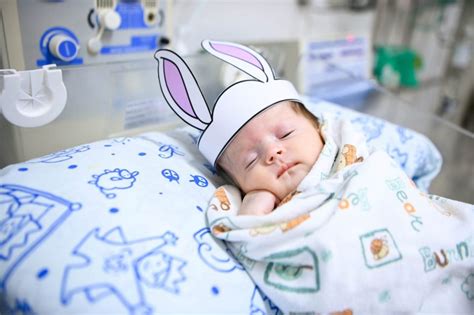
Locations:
274 151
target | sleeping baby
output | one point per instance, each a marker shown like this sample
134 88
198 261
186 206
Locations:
325 225
270 156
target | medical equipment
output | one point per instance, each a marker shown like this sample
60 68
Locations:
102 49
32 98
82 32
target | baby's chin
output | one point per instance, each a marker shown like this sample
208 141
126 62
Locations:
291 181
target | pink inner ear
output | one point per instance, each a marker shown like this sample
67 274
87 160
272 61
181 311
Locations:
176 87
237 53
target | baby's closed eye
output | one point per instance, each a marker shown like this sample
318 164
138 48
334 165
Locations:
250 160
283 130
286 134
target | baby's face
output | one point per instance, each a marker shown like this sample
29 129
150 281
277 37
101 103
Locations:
274 151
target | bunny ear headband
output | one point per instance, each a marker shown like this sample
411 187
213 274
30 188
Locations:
237 105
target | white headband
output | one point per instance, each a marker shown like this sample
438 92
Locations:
234 107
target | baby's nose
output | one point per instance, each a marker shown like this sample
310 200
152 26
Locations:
274 152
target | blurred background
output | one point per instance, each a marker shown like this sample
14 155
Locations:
421 50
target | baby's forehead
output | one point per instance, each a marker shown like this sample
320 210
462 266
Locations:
272 113
269 120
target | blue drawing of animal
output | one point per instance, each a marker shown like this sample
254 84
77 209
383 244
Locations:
115 179
199 180
111 265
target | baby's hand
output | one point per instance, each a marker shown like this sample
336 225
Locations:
258 202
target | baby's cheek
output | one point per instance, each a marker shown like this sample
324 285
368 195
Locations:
244 186
250 181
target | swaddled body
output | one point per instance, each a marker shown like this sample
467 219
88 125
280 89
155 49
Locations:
356 235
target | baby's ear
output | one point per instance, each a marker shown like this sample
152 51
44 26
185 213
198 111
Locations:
181 89
242 58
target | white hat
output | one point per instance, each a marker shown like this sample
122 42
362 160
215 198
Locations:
236 105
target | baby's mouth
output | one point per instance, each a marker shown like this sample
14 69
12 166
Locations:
285 167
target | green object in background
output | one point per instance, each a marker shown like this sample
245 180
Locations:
396 66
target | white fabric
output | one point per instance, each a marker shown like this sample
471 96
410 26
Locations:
354 237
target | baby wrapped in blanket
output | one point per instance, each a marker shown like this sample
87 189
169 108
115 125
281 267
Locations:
354 237
324 225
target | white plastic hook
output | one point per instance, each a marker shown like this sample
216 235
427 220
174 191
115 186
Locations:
32 98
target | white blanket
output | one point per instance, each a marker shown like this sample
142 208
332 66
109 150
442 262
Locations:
357 236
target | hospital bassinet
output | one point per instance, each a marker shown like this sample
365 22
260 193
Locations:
117 225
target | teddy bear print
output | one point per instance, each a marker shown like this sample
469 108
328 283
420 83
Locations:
221 195
348 157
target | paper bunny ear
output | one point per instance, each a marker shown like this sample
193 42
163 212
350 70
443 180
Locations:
241 57
181 90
